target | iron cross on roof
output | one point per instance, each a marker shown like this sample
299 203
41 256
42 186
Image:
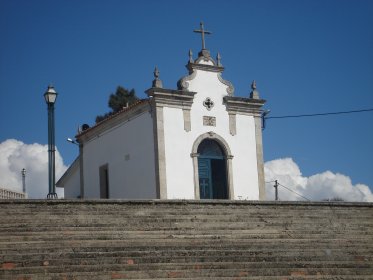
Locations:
203 32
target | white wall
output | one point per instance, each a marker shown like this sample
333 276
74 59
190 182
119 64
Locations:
245 162
72 186
179 143
179 165
70 181
128 149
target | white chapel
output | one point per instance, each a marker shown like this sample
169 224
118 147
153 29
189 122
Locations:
198 141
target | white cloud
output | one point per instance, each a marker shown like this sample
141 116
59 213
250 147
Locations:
16 155
326 185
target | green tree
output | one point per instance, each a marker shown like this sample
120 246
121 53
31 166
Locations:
118 100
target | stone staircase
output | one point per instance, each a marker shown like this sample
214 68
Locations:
116 239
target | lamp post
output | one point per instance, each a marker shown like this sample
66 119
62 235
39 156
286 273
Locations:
23 172
50 97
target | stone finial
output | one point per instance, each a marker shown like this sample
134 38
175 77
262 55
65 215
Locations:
205 53
253 85
191 57
254 93
218 59
157 83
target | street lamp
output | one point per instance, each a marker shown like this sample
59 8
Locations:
23 172
72 141
50 97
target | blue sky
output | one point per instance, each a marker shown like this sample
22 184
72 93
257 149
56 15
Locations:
306 57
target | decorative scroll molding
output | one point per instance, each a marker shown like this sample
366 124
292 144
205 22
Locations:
230 89
183 83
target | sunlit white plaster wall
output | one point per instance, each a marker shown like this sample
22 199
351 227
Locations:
71 186
245 162
179 166
179 143
128 149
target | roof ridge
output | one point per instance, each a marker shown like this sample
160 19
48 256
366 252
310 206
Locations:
124 109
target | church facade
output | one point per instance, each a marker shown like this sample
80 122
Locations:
198 141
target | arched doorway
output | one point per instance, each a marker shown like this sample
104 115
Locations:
212 170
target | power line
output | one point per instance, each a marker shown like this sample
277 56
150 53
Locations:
293 191
278 184
320 114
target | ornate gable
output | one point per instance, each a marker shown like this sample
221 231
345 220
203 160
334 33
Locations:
204 62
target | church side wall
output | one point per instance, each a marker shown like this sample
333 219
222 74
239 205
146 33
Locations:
70 181
128 152
72 187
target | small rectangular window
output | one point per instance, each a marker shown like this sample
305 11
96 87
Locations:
104 181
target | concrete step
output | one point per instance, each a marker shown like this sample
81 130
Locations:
164 257
119 276
185 240
194 271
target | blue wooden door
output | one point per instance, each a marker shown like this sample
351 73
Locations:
212 171
205 182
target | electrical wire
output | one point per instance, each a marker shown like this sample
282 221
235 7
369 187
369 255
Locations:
320 114
293 191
